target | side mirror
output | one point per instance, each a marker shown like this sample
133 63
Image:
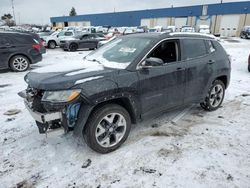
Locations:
152 62
57 36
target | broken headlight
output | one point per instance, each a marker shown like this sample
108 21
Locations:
61 96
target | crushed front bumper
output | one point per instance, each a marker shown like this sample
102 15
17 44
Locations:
43 120
43 117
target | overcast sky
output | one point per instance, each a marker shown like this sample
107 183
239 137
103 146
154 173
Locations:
39 11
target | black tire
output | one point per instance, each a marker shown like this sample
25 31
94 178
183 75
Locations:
52 44
248 67
19 63
217 98
96 119
73 47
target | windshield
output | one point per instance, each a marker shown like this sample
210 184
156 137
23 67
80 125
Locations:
120 52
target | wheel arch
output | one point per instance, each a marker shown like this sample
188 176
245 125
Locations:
123 102
87 110
52 40
74 43
224 79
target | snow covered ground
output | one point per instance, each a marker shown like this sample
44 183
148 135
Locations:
185 148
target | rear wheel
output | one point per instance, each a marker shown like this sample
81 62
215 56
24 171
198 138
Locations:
107 128
52 44
19 63
73 47
248 67
214 97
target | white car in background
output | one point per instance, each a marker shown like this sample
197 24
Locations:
54 39
204 29
188 29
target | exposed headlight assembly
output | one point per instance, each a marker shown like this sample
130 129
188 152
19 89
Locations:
61 96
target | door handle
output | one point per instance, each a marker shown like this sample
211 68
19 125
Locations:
179 69
211 62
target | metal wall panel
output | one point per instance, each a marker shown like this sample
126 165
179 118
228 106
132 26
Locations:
133 18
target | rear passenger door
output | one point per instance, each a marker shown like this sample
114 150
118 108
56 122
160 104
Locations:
198 64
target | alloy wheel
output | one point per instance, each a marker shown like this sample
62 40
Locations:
110 130
216 95
20 64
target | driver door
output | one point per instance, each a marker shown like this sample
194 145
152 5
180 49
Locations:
162 87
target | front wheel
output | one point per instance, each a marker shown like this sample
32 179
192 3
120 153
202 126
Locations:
73 47
107 128
214 97
52 44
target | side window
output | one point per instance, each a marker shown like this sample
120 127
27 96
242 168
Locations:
61 34
92 36
68 34
85 37
167 51
22 39
193 48
210 46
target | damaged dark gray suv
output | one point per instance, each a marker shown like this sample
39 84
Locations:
126 80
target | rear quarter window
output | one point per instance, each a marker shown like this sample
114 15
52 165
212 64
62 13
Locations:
22 39
210 46
193 48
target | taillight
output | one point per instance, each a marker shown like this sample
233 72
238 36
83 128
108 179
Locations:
36 47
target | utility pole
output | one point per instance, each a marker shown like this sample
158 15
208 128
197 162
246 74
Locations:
13 9
19 19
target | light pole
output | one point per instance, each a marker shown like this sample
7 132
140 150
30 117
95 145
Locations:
13 9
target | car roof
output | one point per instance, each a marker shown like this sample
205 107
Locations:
16 33
164 35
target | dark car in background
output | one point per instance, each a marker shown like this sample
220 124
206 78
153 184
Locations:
245 33
89 41
131 78
19 50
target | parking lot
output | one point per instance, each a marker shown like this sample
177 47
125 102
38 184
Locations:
185 148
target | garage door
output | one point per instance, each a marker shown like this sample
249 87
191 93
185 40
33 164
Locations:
161 22
179 22
145 22
229 25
